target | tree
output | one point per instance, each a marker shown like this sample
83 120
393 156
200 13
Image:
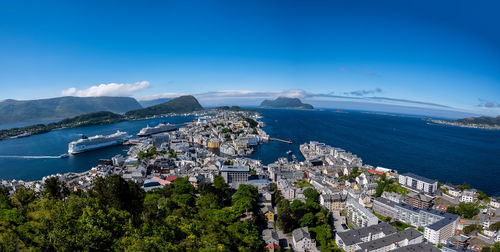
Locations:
56 188
307 220
467 210
495 226
469 229
451 209
311 195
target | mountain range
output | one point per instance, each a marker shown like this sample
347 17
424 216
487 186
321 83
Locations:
15 111
182 104
286 103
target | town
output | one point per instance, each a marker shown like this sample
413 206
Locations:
330 201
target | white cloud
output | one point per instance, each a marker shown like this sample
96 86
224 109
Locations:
110 89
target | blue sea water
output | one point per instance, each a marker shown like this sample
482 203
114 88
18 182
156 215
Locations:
406 144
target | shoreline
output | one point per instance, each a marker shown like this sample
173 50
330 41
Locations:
463 125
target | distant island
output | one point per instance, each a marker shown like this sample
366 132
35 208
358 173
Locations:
183 104
14 111
482 122
285 103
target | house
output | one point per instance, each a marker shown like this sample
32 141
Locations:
302 240
268 212
393 196
271 239
468 196
494 203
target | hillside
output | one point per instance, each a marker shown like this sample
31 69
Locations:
286 102
14 111
183 104
150 103
481 120
95 118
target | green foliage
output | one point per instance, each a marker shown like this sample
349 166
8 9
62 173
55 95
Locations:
150 153
301 183
495 226
482 196
118 215
467 210
465 186
225 130
474 227
389 185
251 122
400 226
494 248
56 188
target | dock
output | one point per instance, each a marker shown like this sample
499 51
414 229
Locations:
281 140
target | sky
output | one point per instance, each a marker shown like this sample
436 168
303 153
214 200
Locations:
418 53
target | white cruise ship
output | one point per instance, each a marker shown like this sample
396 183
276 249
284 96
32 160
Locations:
96 142
162 127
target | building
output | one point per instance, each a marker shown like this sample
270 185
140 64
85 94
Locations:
400 239
393 196
468 196
158 139
418 183
270 237
358 215
268 212
235 175
332 202
420 247
302 240
418 200
494 203
349 240
384 207
441 230
459 241
420 217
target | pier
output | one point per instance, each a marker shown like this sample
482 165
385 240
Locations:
281 140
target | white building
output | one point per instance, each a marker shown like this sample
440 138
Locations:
358 215
494 203
419 183
302 240
468 196
440 231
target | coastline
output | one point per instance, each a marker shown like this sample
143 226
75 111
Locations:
463 125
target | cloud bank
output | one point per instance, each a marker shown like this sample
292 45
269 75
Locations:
110 89
488 104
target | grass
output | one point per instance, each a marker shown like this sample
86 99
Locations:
400 226
382 218
301 183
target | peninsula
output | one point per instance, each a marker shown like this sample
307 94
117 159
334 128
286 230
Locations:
482 122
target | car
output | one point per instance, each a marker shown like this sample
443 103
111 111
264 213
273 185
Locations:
345 226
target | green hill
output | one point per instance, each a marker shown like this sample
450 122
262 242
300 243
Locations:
14 111
183 104
286 102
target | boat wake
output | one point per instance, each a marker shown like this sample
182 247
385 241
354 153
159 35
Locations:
31 157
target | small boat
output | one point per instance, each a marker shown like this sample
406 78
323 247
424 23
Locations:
289 152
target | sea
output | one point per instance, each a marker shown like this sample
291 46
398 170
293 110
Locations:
399 142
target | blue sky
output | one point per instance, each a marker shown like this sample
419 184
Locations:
445 53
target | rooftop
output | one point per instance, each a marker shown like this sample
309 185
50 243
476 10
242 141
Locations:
227 168
354 236
415 176
407 234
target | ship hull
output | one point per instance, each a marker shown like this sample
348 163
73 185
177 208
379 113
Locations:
93 147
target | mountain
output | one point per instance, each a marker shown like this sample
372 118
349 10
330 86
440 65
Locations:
286 102
14 111
480 120
150 103
182 104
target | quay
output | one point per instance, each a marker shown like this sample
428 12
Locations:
281 140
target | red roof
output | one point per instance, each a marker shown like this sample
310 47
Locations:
159 180
171 178
273 246
376 172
